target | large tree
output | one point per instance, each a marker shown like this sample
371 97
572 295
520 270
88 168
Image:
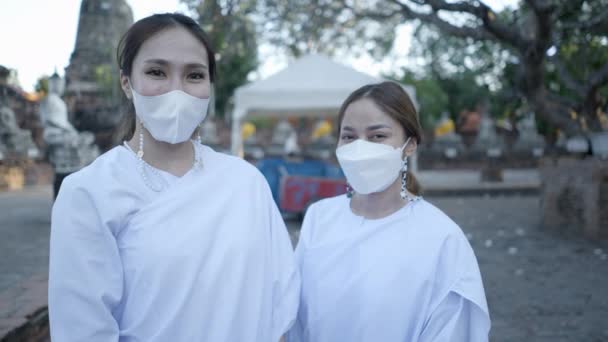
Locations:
466 72
233 35
560 47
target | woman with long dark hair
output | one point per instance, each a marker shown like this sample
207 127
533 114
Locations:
162 238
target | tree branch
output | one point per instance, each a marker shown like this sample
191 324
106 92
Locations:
599 78
587 25
456 7
556 111
541 5
433 18
564 101
567 78
489 29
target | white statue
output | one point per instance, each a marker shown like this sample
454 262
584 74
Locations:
282 131
529 139
291 147
15 141
68 149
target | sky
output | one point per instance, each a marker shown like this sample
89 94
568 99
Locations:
38 36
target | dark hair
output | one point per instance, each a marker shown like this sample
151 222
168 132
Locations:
131 42
396 103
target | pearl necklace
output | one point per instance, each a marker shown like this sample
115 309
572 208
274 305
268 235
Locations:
144 166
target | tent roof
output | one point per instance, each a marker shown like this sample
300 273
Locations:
312 85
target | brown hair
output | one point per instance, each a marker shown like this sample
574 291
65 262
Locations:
133 39
396 103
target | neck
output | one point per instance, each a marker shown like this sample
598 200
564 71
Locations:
176 159
379 204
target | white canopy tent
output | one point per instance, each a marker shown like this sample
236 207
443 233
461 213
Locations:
313 85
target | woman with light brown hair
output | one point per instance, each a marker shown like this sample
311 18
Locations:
381 263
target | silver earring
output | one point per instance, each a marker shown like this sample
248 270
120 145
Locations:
404 194
140 152
198 136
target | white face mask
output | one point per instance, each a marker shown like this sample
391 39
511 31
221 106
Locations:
171 117
370 167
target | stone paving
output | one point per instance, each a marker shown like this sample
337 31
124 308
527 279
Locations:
24 251
541 285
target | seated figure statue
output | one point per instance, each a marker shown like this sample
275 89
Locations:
15 142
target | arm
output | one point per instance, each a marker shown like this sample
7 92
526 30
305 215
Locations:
298 330
286 288
459 312
456 319
85 271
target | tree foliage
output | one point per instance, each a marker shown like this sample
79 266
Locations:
229 25
551 53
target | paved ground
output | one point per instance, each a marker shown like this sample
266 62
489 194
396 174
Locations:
24 250
468 181
541 285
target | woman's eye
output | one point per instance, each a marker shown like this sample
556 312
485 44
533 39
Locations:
347 137
378 137
155 72
197 76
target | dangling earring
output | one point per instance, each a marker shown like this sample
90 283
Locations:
198 135
349 191
404 194
140 151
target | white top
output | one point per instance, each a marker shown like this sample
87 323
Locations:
411 276
206 259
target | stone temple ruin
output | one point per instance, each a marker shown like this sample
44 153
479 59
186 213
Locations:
92 92
18 122
92 97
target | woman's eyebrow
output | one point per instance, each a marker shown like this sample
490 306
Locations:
375 127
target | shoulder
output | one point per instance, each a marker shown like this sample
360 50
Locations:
93 177
233 171
228 163
322 217
445 237
434 222
328 205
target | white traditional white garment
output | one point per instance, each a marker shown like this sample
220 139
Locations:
207 259
408 277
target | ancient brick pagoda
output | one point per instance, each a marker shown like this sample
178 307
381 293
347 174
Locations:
92 88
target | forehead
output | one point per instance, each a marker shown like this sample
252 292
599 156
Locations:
363 113
174 44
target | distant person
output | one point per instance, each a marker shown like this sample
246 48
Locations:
161 238
382 264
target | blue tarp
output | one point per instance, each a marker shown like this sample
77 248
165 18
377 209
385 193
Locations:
274 168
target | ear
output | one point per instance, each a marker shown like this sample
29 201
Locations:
411 147
124 84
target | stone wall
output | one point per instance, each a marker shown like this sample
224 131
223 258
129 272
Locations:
574 195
